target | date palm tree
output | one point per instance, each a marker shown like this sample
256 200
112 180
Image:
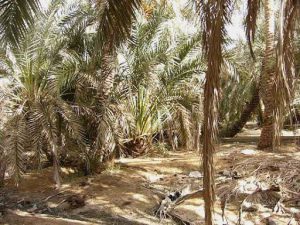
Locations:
276 87
35 103
267 85
111 19
158 69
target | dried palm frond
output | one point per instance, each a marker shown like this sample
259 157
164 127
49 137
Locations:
285 74
115 18
14 144
251 18
214 15
185 130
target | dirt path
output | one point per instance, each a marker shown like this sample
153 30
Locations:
130 192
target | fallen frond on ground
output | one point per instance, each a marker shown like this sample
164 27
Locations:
271 184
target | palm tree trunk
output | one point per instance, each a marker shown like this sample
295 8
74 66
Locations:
214 16
267 85
171 136
238 125
198 129
210 117
260 117
55 157
61 150
107 69
197 137
2 171
56 168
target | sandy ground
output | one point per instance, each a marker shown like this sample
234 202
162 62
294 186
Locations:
251 129
131 191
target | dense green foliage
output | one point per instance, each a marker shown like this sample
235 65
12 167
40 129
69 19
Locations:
83 85
74 101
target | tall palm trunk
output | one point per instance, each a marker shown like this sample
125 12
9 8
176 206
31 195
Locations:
267 85
215 13
210 124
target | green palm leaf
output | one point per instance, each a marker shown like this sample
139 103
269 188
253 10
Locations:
15 18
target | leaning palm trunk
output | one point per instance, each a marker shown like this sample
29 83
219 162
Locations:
267 85
247 112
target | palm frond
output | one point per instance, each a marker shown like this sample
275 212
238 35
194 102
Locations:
250 23
3 160
285 74
115 19
15 18
15 144
214 16
106 140
44 114
185 126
